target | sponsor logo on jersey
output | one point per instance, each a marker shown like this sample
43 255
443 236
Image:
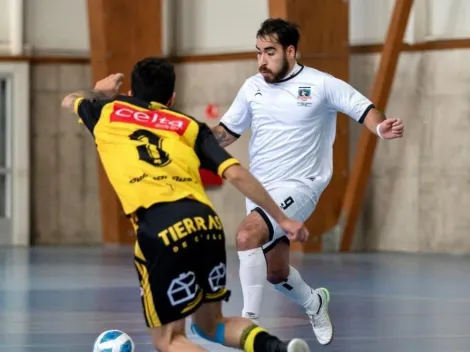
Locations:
156 119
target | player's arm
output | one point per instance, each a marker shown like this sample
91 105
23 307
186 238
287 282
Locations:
236 120
105 88
87 104
247 184
223 136
342 97
213 157
372 118
386 128
71 101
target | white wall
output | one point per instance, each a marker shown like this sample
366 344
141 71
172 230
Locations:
57 25
203 26
448 19
4 21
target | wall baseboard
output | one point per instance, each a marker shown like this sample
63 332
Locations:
447 44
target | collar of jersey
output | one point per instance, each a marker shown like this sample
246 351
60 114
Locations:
294 73
153 105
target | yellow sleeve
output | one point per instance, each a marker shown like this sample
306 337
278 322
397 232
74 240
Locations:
212 156
76 104
225 165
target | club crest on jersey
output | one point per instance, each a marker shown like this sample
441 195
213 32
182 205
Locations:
304 95
156 119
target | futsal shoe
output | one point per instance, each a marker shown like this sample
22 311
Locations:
319 318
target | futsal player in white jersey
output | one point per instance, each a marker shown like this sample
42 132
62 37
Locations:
291 110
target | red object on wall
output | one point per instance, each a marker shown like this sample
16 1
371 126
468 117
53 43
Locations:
212 111
209 179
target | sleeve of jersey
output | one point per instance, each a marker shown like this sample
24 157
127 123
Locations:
89 112
342 97
238 117
212 156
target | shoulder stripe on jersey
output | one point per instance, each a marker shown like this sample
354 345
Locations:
236 135
363 116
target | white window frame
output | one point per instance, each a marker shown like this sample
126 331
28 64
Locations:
18 109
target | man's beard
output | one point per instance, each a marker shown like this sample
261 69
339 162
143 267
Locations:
278 76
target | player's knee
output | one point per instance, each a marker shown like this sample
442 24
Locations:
166 345
247 239
278 274
252 233
167 335
161 343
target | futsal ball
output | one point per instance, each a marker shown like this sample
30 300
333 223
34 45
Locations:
114 341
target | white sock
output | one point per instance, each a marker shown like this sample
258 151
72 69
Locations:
297 290
252 277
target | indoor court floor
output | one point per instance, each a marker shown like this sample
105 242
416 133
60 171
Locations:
61 299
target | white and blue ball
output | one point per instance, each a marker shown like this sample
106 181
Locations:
114 341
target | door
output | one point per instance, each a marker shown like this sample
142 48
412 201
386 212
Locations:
14 154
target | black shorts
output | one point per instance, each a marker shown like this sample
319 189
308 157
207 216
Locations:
180 259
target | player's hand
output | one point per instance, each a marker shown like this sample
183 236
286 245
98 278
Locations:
110 85
296 231
392 128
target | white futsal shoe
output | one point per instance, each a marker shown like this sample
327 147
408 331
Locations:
297 345
319 317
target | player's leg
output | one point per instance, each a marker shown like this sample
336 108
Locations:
208 321
285 278
259 231
297 204
166 329
172 338
238 332
169 290
252 233
288 281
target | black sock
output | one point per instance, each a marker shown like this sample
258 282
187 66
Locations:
265 342
256 339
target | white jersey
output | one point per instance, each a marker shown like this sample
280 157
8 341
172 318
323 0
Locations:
293 124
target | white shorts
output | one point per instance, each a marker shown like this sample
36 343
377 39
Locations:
298 202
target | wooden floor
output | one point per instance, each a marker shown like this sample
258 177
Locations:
61 299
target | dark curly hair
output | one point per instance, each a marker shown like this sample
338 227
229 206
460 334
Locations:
287 33
153 79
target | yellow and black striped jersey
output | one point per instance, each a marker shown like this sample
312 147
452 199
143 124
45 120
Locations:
151 154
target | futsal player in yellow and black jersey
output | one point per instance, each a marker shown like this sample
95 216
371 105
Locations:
152 155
